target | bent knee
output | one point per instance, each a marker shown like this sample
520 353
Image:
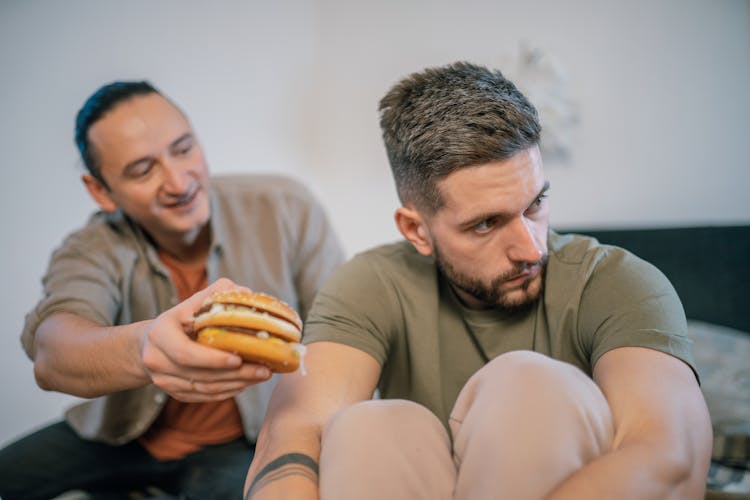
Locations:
533 367
373 416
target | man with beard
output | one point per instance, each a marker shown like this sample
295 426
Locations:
165 415
513 362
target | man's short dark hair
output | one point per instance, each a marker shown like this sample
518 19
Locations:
95 107
449 117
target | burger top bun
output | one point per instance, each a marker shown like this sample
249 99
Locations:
251 310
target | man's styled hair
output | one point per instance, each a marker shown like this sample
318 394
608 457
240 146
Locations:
95 107
441 119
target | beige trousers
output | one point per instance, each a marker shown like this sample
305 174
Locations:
520 426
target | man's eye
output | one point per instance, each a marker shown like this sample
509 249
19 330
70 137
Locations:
484 226
140 169
183 149
537 204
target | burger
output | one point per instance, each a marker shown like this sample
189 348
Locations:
257 327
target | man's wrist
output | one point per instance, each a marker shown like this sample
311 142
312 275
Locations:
285 465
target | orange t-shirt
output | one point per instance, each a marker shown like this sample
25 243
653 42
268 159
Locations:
183 428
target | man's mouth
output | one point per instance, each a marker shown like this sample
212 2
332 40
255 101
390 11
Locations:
182 200
525 275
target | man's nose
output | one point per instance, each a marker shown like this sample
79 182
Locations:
176 179
523 245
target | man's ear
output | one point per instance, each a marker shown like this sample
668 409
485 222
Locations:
412 225
99 193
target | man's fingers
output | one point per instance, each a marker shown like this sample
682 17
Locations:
202 385
212 381
248 372
194 302
191 354
196 397
213 388
168 348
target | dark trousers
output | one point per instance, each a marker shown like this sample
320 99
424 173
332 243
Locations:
55 459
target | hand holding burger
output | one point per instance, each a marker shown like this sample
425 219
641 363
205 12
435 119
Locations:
257 327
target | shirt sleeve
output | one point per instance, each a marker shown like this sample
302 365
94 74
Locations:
318 250
355 307
630 303
81 279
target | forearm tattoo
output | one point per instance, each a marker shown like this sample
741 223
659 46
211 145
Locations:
290 464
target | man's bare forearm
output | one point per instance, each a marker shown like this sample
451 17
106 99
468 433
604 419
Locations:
638 471
76 356
285 465
289 445
662 444
288 466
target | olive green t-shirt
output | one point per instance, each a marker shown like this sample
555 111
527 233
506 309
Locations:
392 303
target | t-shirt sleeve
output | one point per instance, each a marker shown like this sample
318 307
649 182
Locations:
630 303
80 280
355 307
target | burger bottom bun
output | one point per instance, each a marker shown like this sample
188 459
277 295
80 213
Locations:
279 356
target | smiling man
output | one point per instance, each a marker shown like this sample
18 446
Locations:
166 415
513 362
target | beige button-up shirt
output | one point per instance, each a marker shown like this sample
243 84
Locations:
268 234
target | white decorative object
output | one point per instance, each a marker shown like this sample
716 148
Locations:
543 81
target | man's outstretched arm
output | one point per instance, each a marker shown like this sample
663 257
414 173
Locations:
76 356
288 448
662 444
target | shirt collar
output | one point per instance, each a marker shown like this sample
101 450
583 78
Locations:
217 221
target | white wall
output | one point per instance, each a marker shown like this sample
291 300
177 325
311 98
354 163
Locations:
292 86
